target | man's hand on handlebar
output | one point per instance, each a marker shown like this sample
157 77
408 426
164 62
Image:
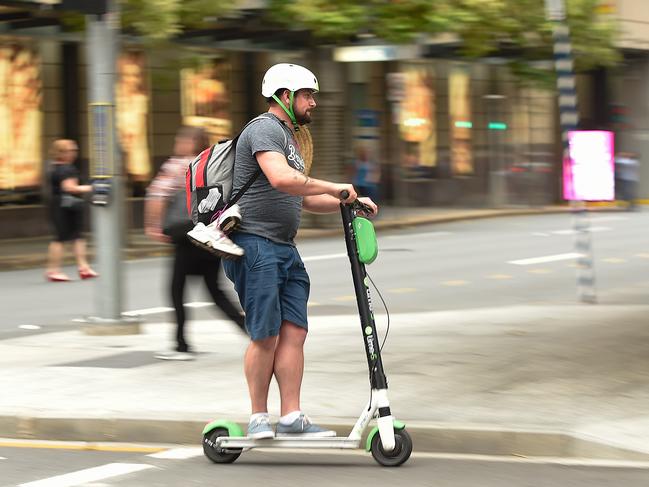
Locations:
346 193
363 206
369 208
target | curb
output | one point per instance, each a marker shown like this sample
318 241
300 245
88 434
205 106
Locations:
35 260
451 439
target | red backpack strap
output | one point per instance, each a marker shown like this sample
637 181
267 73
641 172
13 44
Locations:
202 165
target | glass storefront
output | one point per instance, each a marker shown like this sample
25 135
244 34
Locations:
469 134
21 116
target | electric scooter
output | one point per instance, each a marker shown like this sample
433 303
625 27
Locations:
389 442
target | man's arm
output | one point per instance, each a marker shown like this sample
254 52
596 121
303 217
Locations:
329 204
288 180
321 203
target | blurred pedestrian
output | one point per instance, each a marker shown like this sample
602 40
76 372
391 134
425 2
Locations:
66 210
166 220
627 171
367 174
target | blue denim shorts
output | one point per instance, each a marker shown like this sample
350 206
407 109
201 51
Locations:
271 282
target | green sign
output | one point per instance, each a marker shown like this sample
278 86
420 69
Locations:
497 126
464 124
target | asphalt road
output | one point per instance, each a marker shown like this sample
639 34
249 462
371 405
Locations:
463 265
58 466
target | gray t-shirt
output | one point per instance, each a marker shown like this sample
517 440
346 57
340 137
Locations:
266 211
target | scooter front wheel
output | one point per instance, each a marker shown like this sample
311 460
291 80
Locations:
396 457
217 454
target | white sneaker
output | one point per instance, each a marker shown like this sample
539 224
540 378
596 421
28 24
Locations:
174 355
212 239
229 219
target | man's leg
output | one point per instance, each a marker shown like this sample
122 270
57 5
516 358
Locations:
289 365
258 367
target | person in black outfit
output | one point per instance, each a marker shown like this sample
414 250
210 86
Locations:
66 209
189 259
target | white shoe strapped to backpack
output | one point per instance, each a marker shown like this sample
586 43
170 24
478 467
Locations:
229 219
211 238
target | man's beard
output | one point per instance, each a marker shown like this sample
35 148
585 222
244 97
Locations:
303 119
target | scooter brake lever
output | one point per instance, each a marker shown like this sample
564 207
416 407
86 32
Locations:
359 206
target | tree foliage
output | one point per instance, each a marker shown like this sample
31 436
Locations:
162 19
517 28
483 27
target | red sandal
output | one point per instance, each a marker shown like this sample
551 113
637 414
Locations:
57 277
87 273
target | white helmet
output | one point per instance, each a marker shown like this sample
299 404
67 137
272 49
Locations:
289 76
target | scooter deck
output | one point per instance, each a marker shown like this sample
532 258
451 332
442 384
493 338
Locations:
342 442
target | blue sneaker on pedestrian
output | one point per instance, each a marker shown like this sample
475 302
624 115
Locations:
303 426
260 427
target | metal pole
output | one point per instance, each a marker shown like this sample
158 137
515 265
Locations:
569 117
106 167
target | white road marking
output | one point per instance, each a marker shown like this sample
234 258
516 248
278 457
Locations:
149 311
424 234
81 477
569 231
3 458
547 258
323 257
178 453
572 231
29 327
164 309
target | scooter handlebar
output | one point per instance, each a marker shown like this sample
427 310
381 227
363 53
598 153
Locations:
356 204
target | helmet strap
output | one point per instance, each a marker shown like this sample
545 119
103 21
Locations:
289 111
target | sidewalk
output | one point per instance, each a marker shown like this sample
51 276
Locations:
31 252
526 380
561 381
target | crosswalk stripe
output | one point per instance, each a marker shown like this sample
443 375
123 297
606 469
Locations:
546 258
81 477
178 453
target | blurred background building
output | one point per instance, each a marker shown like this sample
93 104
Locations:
436 127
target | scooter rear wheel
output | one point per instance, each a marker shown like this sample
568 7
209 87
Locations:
218 455
396 457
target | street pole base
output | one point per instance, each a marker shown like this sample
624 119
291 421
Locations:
126 325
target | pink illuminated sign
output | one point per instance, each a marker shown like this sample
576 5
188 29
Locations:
589 169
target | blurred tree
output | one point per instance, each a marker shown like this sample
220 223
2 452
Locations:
162 19
517 29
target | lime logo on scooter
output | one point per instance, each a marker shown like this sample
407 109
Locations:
368 329
370 342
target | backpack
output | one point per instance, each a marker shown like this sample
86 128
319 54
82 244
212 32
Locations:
209 179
